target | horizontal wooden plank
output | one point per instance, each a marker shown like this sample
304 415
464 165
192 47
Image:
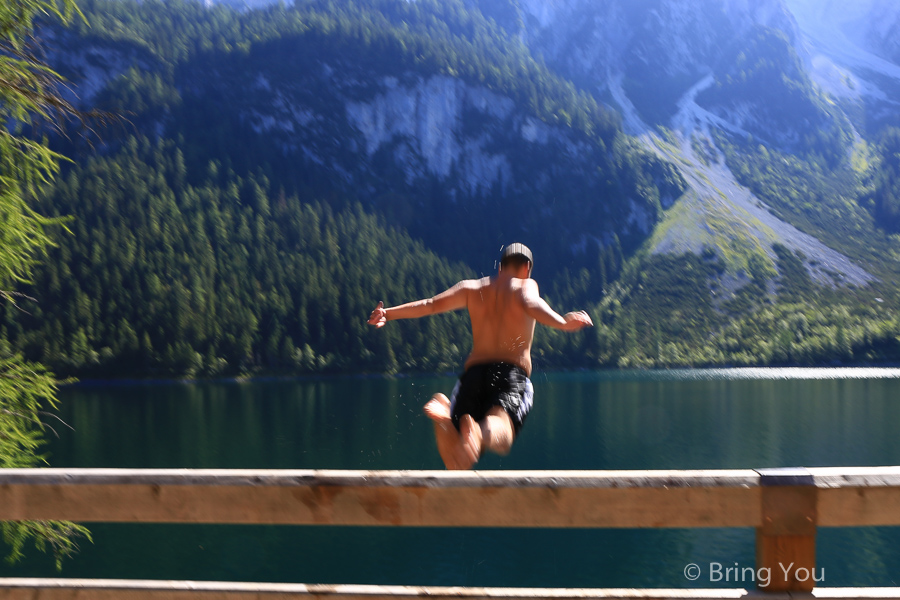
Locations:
859 507
128 589
325 477
93 589
875 593
847 496
416 498
855 477
857 496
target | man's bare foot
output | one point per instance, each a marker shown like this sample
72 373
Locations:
471 439
438 408
448 441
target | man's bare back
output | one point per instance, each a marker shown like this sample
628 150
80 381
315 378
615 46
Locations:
502 330
503 310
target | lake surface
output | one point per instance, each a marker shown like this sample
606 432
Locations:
715 419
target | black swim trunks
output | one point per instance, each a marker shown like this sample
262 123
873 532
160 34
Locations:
483 387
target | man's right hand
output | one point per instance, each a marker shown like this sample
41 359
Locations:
577 320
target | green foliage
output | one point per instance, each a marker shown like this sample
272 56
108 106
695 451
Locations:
795 283
25 390
674 311
28 98
139 94
704 149
812 334
659 313
186 258
506 13
827 204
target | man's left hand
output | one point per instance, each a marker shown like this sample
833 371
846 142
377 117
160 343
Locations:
379 316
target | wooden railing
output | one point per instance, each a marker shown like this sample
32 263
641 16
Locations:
785 506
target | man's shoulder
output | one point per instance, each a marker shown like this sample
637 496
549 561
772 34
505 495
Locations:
528 285
472 285
478 283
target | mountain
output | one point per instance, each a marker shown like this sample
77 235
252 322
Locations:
712 180
776 159
657 48
700 69
246 131
426 124
852 56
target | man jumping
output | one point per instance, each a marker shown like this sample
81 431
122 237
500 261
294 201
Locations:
492 398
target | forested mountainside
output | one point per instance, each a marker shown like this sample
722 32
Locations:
423 110
327 114
284 168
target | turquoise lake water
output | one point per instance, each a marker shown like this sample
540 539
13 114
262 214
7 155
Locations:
714 419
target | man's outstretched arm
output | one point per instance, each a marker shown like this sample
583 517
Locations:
453 299
538 309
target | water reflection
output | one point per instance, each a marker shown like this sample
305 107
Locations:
618 420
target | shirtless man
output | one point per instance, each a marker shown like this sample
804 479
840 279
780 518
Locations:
492 398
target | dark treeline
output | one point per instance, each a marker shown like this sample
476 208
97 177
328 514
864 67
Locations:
163 278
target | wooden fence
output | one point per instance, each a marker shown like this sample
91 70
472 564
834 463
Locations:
785 506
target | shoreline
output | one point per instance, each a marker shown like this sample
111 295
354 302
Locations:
886 370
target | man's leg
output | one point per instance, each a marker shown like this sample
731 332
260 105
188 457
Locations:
497 431
494 432
458 449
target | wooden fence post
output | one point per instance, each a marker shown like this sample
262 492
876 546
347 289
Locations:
786 540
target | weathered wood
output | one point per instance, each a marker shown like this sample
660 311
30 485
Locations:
786 506
847 497
309 477
418 498
786 538
858 496
833 477
92 589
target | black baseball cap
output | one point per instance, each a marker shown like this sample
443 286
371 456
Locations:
517 249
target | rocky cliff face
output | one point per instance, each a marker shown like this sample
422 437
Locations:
674 38
422 125
436 144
